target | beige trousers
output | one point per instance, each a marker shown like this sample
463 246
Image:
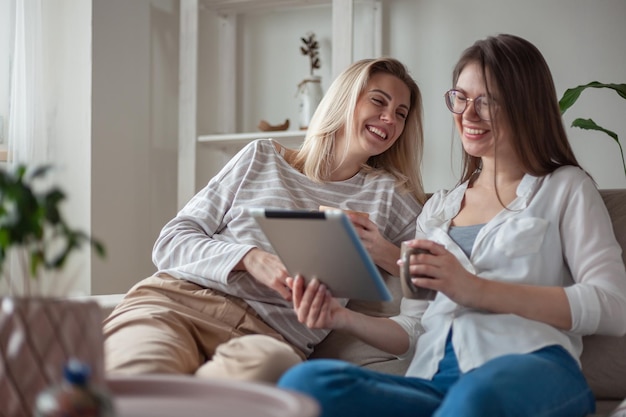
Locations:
166 325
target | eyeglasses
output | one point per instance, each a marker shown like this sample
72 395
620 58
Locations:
457 103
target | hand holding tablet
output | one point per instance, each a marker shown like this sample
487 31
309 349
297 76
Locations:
323 245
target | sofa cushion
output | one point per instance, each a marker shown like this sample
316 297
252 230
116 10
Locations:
615 201
604 357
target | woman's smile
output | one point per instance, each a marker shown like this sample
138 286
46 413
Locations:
382 134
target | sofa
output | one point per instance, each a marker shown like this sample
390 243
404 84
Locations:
603 358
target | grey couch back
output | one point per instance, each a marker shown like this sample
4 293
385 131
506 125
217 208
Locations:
604 358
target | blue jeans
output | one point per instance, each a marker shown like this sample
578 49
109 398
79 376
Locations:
545 383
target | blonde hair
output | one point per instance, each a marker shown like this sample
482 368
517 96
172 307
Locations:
336 111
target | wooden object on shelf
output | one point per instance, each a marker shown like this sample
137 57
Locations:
266 127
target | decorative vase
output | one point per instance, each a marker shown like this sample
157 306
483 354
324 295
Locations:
37 338
309 96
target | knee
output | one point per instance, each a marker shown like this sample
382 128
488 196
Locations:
275 357
483 395
263 349
473 400
251 358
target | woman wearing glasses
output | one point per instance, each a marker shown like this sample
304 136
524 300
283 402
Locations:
523 257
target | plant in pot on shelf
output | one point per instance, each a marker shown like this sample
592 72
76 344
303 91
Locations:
39 333
310 88
570 97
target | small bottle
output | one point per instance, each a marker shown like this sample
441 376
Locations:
74 397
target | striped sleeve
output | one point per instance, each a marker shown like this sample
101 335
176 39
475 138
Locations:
186 246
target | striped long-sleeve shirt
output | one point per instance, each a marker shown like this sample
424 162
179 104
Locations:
213 232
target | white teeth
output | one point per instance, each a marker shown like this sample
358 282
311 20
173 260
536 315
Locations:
377 132
474 131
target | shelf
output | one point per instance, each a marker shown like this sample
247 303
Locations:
245 6
243 138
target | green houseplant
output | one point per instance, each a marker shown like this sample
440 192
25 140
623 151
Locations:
32 220
570 97
39 334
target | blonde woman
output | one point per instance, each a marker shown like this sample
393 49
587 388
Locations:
219 304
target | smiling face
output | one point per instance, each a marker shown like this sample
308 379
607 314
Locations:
380 115
477 135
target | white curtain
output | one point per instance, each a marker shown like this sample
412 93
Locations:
28 141
27 130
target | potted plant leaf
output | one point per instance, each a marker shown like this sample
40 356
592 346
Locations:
39 333
311 48
310 88
570 97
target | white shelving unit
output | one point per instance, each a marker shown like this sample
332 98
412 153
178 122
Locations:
239 138
227 10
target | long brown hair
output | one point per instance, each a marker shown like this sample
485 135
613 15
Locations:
517 70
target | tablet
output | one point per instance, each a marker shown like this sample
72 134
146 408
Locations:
324 245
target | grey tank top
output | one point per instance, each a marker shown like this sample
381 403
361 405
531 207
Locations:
464 236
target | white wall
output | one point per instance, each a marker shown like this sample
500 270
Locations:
135 110
67 51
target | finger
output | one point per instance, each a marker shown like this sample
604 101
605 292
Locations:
306 300
316 306
281 286
413 261
324 316
421 243
297 291
429 283
421 269
359 221
412 243
433 247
